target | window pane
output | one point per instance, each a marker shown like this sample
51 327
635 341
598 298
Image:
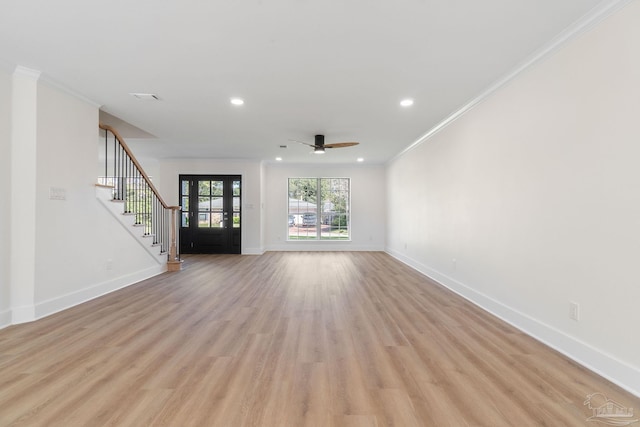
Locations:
185 187
216 204
216 220
204 204
216 188
236 204
185 219
302 217
204 188
203 220
304 190
236 220
236 188
185 203
335 209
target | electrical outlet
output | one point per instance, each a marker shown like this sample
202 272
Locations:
574 311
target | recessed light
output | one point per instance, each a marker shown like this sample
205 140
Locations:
406 102
237 101
360 159
278 159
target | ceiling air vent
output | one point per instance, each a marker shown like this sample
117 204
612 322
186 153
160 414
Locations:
145 96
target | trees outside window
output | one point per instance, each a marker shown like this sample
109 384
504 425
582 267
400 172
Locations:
319 209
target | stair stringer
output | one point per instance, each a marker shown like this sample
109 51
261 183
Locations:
104 195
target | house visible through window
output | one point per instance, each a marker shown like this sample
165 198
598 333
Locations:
319 209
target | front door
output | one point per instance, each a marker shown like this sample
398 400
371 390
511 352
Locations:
210 214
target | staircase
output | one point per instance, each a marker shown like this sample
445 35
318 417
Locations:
130 196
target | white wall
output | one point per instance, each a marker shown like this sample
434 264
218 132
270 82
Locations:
263 201
81 251
62 252
368 212
264 225
535 194
5 191
167 184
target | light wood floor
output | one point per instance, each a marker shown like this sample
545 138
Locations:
287 339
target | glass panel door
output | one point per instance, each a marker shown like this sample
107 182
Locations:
210 213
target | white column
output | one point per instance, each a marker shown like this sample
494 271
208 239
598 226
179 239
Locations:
23 193
6 77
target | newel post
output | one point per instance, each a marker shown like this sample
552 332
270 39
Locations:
174 264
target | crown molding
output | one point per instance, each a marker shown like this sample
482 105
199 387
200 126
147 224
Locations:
29 73
37 75
592 18
65 89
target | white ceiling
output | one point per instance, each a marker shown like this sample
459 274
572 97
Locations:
335 67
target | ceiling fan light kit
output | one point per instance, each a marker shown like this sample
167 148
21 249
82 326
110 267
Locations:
319 144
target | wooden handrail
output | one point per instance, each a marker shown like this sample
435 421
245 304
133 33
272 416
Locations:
137 164
152 218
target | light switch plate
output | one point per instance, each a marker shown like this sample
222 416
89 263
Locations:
56 193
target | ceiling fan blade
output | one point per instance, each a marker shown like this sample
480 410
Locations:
302 142
341 144
320 143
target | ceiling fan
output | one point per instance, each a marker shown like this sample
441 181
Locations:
319 145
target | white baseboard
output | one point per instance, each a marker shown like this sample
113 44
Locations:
594 359
253 251
5 318
54 305
23 314
323 246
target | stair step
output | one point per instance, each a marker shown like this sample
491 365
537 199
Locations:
116 208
